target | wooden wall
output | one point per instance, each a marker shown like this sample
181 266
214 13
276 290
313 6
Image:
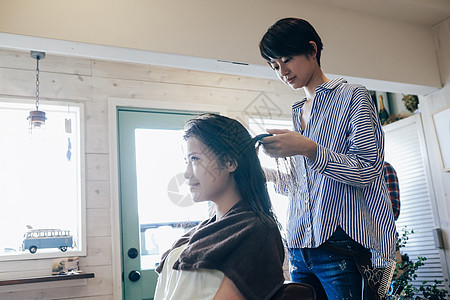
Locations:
92 83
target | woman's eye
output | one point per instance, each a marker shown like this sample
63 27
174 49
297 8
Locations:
286 60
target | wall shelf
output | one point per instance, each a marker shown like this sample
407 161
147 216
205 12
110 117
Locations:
46 279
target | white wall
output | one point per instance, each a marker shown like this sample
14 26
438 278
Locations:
356 44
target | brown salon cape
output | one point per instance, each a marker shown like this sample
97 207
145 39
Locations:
245 245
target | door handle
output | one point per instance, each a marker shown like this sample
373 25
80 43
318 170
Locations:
134 275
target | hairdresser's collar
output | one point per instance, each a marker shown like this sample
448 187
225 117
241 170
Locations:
326 86
330 85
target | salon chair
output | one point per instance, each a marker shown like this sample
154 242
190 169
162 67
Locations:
295 291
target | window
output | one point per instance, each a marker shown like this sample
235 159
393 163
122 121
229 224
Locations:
41 182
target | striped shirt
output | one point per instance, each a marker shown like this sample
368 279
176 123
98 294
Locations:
344 186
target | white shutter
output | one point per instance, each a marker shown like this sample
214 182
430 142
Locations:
405 150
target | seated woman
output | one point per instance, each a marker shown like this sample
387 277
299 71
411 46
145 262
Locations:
238 253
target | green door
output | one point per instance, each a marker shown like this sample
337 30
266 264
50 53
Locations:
156 207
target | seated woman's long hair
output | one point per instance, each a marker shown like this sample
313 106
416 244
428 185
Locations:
231 142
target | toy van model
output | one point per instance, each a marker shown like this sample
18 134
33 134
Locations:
47 238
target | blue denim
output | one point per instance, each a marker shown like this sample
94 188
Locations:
333 275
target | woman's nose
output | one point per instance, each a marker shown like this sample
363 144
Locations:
283 70
188 171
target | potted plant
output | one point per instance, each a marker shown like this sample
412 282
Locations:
411 102
401 285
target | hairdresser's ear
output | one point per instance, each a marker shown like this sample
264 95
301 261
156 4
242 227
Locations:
313 54
231 166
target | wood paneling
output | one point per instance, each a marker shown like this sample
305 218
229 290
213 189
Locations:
98 194
96 122
51 63
185 77
97 166
93 83
98 222
98 252
52 86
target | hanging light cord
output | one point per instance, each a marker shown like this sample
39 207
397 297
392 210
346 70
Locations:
37 82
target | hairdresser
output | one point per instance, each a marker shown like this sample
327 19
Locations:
341 231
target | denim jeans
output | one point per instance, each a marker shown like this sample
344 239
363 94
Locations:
333 275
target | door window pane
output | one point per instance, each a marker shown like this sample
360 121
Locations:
166 208
40 183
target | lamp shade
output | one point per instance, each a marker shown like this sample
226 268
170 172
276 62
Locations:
36 118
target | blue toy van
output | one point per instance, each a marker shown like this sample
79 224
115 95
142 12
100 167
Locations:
47 238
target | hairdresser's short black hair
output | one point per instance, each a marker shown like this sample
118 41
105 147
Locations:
289 37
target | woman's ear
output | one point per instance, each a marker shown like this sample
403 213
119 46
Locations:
231 166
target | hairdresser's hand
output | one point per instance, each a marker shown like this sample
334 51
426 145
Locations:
286 143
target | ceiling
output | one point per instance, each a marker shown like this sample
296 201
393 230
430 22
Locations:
423 12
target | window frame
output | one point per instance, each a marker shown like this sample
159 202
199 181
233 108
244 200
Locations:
81 177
